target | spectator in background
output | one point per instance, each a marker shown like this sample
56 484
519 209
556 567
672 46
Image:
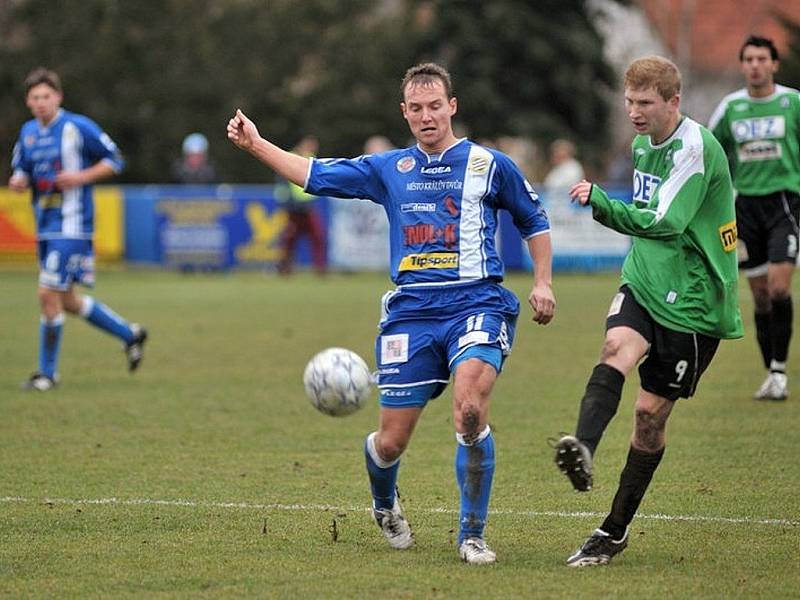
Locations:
304 219
376 144
194 166
566 171
59 156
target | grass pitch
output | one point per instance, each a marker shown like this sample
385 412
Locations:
208 474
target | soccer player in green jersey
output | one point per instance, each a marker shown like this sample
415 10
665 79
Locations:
678 297
759 128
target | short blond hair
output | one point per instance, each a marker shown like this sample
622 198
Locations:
654 72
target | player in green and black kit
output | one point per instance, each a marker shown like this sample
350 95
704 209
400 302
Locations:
759 128
678 297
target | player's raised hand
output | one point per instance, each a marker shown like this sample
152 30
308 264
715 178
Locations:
19 182
242 131
580 192
543 303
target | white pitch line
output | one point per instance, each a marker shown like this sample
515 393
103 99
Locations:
328 507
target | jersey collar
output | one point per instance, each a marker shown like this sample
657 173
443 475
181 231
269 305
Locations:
430 158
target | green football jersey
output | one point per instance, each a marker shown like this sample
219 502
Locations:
682 263
761 137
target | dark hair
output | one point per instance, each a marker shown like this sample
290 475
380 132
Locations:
42 75
759 42
427 74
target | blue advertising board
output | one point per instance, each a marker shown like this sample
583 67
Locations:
206 227
217 227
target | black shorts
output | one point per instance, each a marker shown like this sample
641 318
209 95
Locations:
768 230
675 360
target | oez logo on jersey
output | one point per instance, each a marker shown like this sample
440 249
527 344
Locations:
644 186
761 128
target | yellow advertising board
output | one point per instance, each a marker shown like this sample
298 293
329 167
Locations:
18 231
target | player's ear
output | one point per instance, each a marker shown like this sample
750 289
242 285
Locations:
453 105
403 108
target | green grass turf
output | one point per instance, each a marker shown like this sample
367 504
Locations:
208 474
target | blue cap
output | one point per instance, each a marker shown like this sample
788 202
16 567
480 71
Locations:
195 143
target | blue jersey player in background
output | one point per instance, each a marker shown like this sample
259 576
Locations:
448 315
60 155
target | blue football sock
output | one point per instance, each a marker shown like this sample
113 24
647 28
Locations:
474 472
50 344
382 475
100 315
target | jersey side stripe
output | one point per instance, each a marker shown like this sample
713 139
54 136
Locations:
476 181
71 209
692 142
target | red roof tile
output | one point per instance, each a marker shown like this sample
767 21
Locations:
709 33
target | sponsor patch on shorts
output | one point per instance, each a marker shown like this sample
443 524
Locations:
394 348
472 338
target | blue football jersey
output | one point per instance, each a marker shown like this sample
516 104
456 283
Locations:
70 143
442 209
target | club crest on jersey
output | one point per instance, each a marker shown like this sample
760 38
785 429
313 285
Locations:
30 140
69 135
405 164
727 234
478 164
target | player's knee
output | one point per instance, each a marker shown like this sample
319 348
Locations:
470 420
390 448
779 293
761 300
649 431
611 349
73 304
49 302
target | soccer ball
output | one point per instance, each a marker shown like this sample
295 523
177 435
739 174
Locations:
337 381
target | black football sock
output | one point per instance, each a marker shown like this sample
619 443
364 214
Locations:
599 404
633 482
764 336
781 329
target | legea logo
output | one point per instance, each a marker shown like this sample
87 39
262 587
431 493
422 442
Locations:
434 170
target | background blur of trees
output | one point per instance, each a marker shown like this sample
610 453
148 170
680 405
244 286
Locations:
789 73
152 71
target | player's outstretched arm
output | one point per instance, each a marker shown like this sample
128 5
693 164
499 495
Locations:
244 134
542 299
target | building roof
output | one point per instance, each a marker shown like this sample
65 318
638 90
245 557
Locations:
707 34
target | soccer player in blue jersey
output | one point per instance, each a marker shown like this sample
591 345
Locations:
448 315
59 155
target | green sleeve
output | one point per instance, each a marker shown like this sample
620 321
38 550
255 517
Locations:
721 132
675 203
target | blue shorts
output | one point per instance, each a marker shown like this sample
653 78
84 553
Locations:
426 332
63 262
